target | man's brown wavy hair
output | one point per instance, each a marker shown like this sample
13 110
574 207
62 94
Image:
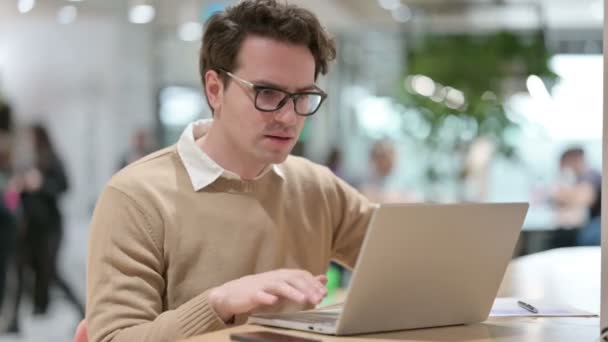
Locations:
225 32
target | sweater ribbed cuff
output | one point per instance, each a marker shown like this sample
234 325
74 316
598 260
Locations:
197 317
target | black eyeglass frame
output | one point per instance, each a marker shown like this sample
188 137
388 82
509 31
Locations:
293 96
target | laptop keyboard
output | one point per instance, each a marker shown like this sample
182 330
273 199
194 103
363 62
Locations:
325 318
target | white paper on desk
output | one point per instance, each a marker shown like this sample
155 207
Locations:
507 307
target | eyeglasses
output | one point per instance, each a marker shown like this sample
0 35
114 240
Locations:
270 99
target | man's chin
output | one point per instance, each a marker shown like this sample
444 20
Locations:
278 159
275 157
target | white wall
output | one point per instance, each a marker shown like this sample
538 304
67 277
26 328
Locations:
178 61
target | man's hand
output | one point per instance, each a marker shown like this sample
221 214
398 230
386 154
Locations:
248 293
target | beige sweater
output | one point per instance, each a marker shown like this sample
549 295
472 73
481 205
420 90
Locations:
157 246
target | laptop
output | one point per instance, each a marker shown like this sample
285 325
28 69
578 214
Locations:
420 266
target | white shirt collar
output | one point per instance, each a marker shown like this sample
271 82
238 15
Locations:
200 167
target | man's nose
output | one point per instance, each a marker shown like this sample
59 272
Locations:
287 114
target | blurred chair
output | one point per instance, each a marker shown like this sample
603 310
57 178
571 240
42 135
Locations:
81 332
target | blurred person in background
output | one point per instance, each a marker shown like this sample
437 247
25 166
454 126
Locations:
477 169
9 199
142 144
582 188
41 187
197 236
382 184
334 162
8 226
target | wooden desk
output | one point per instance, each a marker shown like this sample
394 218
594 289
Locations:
520 329
546 275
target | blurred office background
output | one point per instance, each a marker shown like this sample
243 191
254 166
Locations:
429 100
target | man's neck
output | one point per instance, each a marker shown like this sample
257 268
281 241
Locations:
228 156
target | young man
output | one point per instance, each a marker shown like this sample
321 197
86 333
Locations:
196 236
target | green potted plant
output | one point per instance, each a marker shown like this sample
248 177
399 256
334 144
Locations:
457 85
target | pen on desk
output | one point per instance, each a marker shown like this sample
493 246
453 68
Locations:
527 306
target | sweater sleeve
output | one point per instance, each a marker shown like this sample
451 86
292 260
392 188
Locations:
125 283
351 215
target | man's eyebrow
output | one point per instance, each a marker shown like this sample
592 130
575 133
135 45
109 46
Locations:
269 84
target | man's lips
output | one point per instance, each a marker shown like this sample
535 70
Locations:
279 136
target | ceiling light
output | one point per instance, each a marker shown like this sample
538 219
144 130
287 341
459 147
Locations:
389 5
423 85
67 14
190 31
537 88
455 99
402 14
24 6
141 14
440 93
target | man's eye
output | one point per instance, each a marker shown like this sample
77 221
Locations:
270 95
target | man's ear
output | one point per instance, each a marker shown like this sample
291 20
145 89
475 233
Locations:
214 88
